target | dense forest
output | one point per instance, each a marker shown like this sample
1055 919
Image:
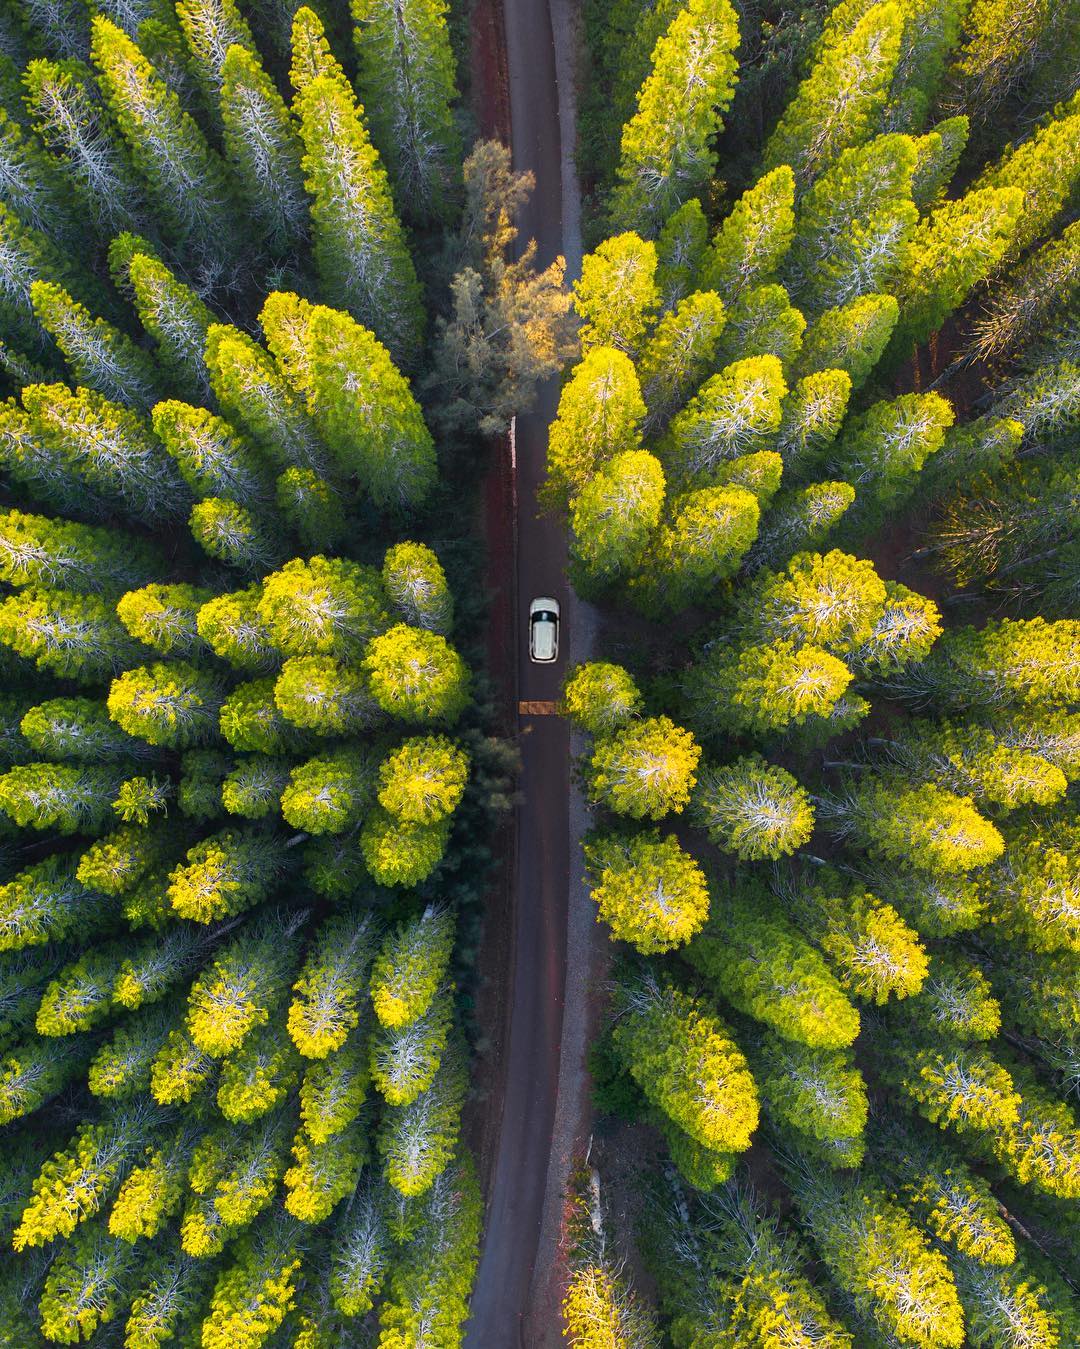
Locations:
251 338
818 463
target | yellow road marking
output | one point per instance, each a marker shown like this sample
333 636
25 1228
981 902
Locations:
537 709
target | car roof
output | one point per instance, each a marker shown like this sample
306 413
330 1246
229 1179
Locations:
543 640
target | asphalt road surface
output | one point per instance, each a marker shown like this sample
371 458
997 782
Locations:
530 1088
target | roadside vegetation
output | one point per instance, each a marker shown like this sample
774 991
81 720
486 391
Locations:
257 314
818 467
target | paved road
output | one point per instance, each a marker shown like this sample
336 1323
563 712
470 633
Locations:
540 905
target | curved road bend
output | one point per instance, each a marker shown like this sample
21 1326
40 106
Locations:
516 1202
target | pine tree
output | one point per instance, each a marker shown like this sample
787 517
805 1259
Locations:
107 448
956 1001
874 953
34 1072
599 417
225 874
74 1183
1008 663
732 414
613 517
311 54
700 545
1044 168
234 535
262 148
811 416
763 323
211 28
680 354
359 1253
237 992
184 179
883 450
763 689
814 1093
855 225
831 600
311 507
46 903
423 779
799 521
98 354
75 636
153 966
952 250
1032 892
163 618
233 628
754 238
509 325
329 794
66 111
86 1287
32 188
121 1067
417 676
877 1255
410 967
26 256
324 606
646 770
665 156
251 720
680 1055
841 98
736 1267
649 891
175 318
358 243
253 789
753 809
926 826
616 296
365 413
417 1142
406 81
754 958
152 1192
400 852
335 1088
331 985
67 798
47 551
851 337
681 250
1042 286
175 705
256 399
326 696
430 1282
405 1061
417 587
322 1175
600 698
253 1293
939 152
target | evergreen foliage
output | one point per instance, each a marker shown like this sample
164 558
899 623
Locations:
236 701
854 330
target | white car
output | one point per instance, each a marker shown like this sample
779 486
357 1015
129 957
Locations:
544 630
